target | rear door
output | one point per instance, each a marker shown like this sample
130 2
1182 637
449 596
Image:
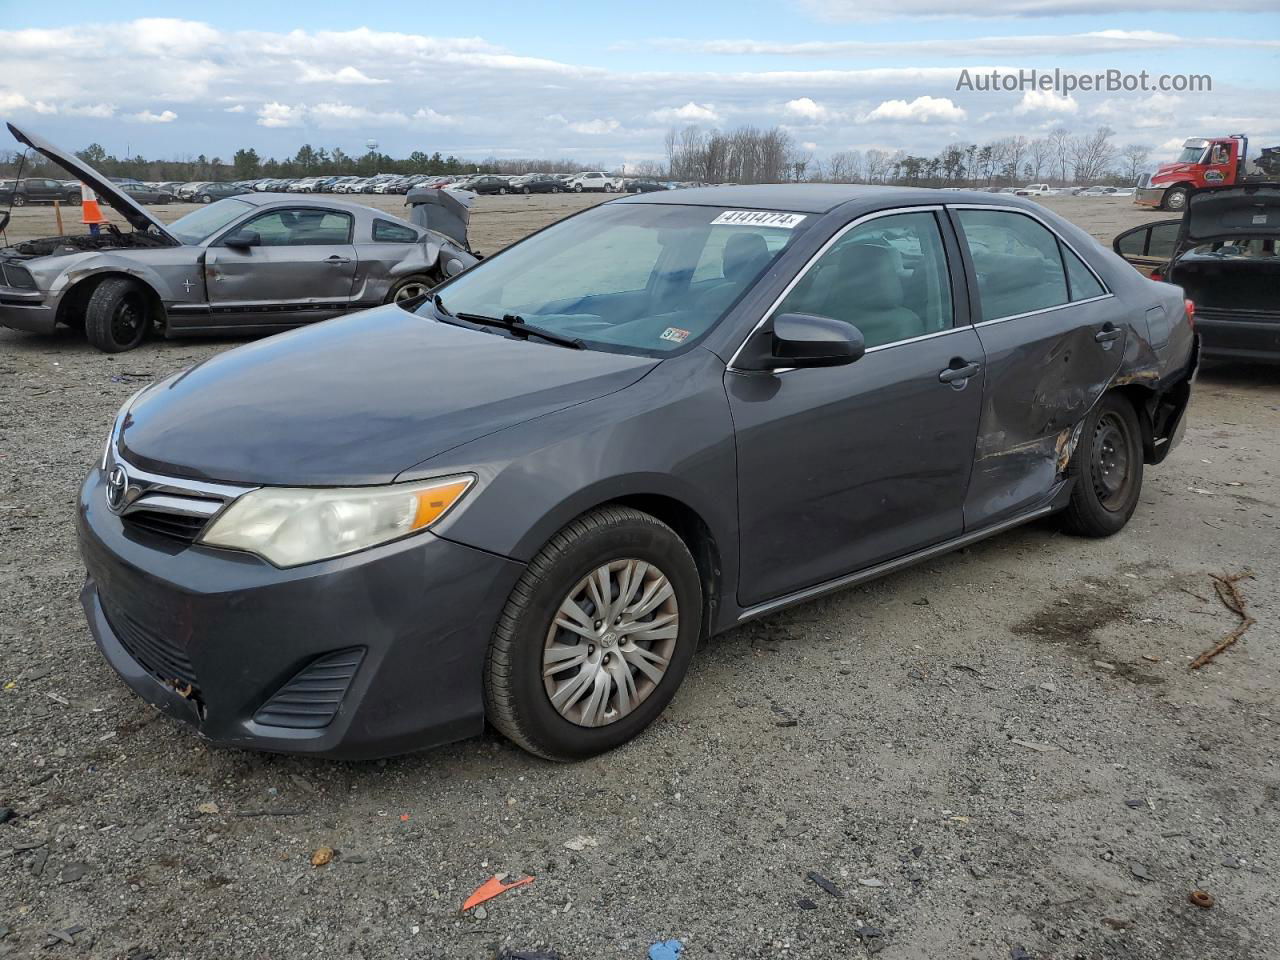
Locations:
1149 247
302 270
1054 339
842 468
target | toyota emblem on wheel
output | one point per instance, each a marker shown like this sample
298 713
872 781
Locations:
117 484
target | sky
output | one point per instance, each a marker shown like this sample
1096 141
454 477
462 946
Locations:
602 83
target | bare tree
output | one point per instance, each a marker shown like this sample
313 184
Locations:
1060 147
1091 154
1135 157
1039 154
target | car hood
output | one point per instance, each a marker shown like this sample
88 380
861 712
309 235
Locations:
137 215
356 400
1224 212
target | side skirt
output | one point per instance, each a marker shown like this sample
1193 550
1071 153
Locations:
1056 501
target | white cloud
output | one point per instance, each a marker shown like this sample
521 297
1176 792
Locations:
351 76
807 110
427 115
147 116
920 110
1045 101
691 112
886 9
17 103
238 108
279 115
96 110
595 127
1157 110
809 145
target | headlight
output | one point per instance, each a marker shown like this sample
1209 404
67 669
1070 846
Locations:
290 526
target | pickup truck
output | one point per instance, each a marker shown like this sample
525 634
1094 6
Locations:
1034 190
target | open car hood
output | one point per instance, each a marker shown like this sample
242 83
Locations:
138 216
1220 213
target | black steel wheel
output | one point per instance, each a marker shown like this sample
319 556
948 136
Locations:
1107 469
117 317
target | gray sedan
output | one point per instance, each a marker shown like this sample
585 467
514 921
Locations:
650 422
251 264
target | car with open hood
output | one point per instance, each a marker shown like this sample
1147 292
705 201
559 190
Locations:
529 499
251 264
1223 253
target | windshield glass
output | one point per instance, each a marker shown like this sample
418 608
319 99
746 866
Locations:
629 277
1190 154
205 222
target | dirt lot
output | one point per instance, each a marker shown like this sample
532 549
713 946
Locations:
999 754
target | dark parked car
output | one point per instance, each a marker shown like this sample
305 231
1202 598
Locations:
1222 252
209 192
144 194
536 183
37 190
488 183
642 186
530 499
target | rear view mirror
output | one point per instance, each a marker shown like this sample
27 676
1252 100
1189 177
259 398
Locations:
807 340
243 239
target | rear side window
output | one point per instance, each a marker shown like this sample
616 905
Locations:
1083 284
1016 260
384 231
888 277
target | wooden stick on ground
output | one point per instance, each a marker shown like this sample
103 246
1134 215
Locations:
1233 600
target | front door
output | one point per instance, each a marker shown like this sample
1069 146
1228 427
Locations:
300 266
1054 339
841 468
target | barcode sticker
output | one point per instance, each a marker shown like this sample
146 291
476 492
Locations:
759 218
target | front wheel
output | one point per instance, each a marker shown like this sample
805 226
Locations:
205 198
577 188
502 190
596 636
19 200
117 318
1107 468
1176 199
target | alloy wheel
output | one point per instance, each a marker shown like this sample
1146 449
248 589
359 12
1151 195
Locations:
610 642
411 291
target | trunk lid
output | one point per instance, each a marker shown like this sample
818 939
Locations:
1221 213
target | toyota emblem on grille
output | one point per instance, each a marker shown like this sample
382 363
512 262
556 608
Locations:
117 484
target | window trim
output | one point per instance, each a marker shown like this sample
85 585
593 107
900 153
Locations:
821 252
1059 237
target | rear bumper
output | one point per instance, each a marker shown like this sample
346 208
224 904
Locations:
1149 196
1229 336
236 630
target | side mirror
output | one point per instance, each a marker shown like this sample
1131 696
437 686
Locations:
244 239
806 340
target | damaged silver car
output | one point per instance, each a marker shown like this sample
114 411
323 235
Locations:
251 264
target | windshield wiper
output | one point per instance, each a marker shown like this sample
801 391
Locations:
518 327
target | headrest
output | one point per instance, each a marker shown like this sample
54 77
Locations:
869 272
745 255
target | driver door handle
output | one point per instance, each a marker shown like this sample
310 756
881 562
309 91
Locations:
959 370
1108 333
336 260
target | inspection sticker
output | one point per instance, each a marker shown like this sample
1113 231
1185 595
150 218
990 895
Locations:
674 334
759 218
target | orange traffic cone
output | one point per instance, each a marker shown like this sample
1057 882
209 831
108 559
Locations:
90 212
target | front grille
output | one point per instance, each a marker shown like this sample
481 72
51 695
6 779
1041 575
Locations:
311 699
12 275
159 656
175 526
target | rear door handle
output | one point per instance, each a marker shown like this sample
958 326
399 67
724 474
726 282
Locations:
335 259
1108 333
959 370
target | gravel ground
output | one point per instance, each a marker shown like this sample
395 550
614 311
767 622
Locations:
1000 753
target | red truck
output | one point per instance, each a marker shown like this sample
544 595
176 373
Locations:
1214 162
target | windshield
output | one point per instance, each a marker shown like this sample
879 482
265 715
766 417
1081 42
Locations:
1190 155
205 222
628 277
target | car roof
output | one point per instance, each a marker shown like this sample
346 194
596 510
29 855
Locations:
816 197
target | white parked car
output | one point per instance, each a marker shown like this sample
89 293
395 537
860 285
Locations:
1035 190
595 180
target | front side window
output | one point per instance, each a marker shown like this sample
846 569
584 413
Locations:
1016 260
201 224
302 228
888 277
633 278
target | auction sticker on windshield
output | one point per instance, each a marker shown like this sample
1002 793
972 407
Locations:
759 218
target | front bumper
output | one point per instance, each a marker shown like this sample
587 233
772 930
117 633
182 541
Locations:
27 310
1149 196
420 611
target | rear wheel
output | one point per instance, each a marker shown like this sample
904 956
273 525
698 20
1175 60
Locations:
596 636
410 288
502 190
1107 467
1176 199
527 190
204 198
117 317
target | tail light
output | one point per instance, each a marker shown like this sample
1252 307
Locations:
1191 312
1157 276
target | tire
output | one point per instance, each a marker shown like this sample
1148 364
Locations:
577 188
410 288
1107 469
204 198
503 191
19 200
518 697
527 191
73 199
117 318
1175 199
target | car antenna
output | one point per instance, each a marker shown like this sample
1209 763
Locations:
22 162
